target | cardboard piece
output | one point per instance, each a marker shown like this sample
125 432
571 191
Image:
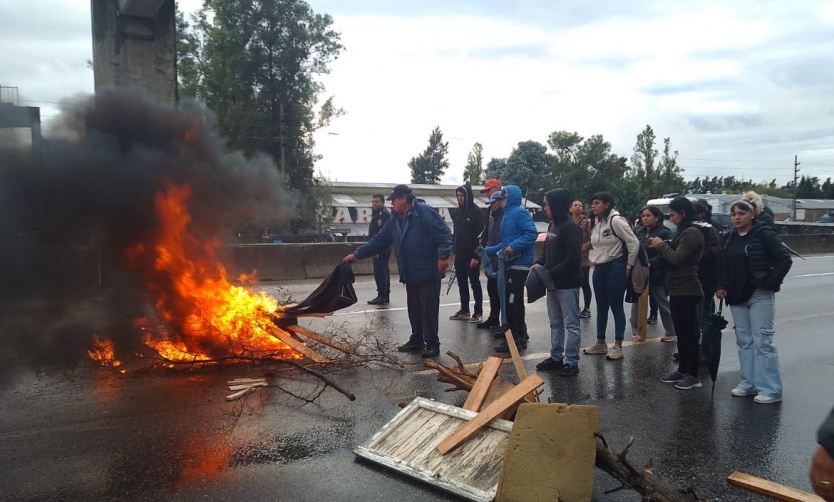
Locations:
551 454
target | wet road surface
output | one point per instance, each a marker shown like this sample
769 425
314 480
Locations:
91 434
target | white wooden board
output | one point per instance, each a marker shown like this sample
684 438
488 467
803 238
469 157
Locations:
408 444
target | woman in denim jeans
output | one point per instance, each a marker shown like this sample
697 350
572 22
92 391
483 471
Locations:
611 271
752 265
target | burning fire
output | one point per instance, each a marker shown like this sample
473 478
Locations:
207 317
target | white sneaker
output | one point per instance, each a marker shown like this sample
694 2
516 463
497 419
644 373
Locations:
596 349
762 399
739 392
614 353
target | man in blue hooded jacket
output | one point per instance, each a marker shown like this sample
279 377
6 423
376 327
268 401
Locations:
518 236
422 243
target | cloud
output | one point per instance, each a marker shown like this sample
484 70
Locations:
722 80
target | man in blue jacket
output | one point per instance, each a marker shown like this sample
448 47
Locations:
518 236
422 243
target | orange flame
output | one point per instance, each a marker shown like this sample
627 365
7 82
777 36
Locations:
210 317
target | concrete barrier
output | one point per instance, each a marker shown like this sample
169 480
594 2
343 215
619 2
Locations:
281 262
277 262
810 243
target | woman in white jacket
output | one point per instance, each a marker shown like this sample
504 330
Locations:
611 271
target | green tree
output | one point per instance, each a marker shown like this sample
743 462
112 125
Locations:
255 63
828 189
527 165
669 174
643 158
428 167
809 188
474 171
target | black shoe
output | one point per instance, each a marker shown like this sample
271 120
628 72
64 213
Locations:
411 347
488 323
675 356
652 319
569 370
498 331
431 352
550 364
702 360
520 344
377 301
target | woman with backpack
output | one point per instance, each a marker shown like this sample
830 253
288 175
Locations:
652 219
612 238
681 257
751 267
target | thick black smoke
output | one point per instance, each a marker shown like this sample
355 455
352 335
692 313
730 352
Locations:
68 210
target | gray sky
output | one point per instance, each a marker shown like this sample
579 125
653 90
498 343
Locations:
739 87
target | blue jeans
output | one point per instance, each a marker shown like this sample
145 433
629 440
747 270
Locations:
563 311
754 336
609 290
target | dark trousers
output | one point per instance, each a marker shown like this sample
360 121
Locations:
706 307
465 276
382 275
494 299
652 306
609 290
423 311
586 286
685 318
515 303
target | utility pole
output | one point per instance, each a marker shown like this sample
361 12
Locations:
281 139
795 183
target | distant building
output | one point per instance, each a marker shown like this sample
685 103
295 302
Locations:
352 203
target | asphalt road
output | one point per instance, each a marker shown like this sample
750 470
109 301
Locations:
91 434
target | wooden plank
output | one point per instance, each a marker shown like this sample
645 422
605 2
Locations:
770 488
247 385
481 387
490 413
240 393
642 314
240 381
519 364
312 335
298 346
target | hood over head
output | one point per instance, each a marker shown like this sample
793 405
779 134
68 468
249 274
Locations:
468 198
559 201
513 196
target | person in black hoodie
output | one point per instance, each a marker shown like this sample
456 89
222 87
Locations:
751 267
468 225
562 257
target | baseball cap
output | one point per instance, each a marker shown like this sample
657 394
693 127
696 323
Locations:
499 195
399 191
490 183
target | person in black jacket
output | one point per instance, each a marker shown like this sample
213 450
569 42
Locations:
822 462
490 237
751 267
468 225
706 270
652 226
562 257
382 275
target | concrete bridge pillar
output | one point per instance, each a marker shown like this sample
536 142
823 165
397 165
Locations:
134 45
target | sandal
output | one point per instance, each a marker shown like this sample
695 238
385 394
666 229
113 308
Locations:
638 338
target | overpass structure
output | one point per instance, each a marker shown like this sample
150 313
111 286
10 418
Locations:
134 45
